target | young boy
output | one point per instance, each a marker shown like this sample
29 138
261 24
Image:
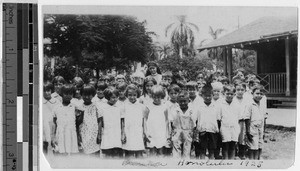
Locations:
182 126
195 100
254 119
99 97
207 124
172 106
229 123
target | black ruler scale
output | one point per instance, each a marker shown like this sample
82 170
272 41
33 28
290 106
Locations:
20 83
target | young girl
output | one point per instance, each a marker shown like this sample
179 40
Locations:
99 97
121 87
135 115
146 99
157 123
241 102
89 127
229 123
112 122
254 119
66 137
182 124
58 82
49 104
154 71
78 84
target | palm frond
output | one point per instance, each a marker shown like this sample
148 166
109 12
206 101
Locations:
167 28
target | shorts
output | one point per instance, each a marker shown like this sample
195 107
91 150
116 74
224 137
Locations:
208 141
257 139
230 133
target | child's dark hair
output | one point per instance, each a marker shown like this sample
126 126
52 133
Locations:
207 88
110 91
259 87
148 79
134 88
192 84
174 87
48 86
164 84
78 82
68 89
88 89
240 83
224 80
151 63
229 87
58 79
183 95
158 90
101 86
121 86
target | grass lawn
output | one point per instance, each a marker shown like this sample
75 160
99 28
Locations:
279 143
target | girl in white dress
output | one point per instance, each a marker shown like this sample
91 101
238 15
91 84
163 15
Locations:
149 82
89 127
66 137
158 132
135 115
111 125
58 82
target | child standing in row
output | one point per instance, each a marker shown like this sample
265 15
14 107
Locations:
172 106
149 82
49 104
254 119
58 82
157 122
207 123
182 125
229 123
66 137
135 115
241 102
111 120
89 126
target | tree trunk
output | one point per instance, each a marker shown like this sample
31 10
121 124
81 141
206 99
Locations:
180 52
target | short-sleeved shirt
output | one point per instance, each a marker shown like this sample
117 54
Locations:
56 96
171 107
241 105
111 137
229 114
208 117
255 112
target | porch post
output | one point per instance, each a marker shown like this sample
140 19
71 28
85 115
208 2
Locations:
225 60
229 53
287 66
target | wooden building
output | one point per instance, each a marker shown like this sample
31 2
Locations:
275 40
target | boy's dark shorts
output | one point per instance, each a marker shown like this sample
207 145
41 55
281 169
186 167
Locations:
208 141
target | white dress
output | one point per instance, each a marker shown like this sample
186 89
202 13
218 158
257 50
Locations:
111 135
133 116
66 130
48 124
89 128
157 126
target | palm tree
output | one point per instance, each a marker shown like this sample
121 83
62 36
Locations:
164 51
182 35
215 53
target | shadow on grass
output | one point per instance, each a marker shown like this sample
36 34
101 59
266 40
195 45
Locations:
281 128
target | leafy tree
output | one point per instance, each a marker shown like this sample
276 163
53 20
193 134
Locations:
98 41
182 36
190 66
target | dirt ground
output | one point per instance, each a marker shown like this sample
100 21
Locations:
279 143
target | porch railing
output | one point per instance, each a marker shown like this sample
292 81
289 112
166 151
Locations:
274 83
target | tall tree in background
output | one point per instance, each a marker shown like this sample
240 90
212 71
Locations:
182 35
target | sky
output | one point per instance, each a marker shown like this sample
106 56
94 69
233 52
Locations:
159 17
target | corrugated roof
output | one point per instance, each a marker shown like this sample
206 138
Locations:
255 30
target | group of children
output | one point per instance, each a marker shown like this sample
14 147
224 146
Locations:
154 116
